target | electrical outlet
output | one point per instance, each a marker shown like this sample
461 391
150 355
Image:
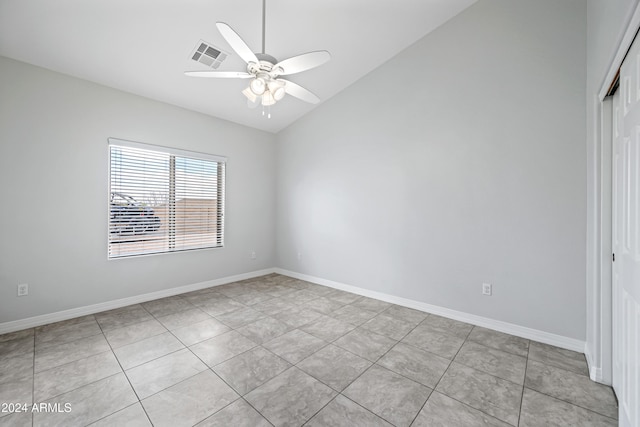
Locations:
299 255
486 289
253 255
23 289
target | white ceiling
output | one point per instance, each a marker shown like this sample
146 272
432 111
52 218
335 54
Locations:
144 46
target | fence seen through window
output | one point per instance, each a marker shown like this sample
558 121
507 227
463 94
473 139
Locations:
163 199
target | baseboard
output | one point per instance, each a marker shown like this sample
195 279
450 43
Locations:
45 319
509 328
485 322
595 374
595 370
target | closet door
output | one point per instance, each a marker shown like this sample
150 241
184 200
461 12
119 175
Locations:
626 240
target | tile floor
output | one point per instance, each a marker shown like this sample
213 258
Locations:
279 351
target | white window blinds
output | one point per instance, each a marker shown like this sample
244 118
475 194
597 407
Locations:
163 199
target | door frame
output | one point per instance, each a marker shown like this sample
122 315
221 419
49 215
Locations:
598 348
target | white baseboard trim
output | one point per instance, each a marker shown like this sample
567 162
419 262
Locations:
509 328
595 371
590 363
595 374
485 322
45 319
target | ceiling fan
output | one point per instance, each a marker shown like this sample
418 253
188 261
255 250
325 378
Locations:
266 86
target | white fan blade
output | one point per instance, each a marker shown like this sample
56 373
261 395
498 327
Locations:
299 92
236 43
219 74
300 63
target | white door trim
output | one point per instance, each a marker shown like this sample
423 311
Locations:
623 47
599 328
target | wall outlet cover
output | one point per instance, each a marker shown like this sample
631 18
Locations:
23 289
486 289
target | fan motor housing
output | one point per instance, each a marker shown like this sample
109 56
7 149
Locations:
265 64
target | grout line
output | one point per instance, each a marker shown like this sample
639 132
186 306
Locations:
256 409
366 409
260 345
122 409
33 378
443 372
572 404
374 363
323 406
125 374
85 385
356 379
526 366
295 365
489 373
564 400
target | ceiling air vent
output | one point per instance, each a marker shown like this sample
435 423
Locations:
208 55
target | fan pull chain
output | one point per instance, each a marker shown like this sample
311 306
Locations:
268 113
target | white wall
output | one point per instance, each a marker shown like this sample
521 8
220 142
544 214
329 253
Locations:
53 170
606 22
460 161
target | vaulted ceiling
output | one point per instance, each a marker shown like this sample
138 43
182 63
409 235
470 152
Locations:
144 46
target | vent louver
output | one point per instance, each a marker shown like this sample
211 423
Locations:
208 55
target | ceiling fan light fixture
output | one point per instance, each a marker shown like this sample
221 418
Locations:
279 93
266 87
258 86
267 99
276 87
250 95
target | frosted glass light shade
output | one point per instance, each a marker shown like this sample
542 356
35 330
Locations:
249 94
258 86
267 99
279 93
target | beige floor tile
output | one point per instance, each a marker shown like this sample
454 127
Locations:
140 352
200 331
491 395
164 372
134 333
64 378
61 354
189 401
291 398
131 416
495 362
222 347
571 387
442 411
238 414
88 403
393 397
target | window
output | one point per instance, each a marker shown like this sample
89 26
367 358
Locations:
163 199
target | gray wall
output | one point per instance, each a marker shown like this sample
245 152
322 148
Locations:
53 153
460 161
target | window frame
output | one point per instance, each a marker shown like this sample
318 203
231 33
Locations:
173 153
